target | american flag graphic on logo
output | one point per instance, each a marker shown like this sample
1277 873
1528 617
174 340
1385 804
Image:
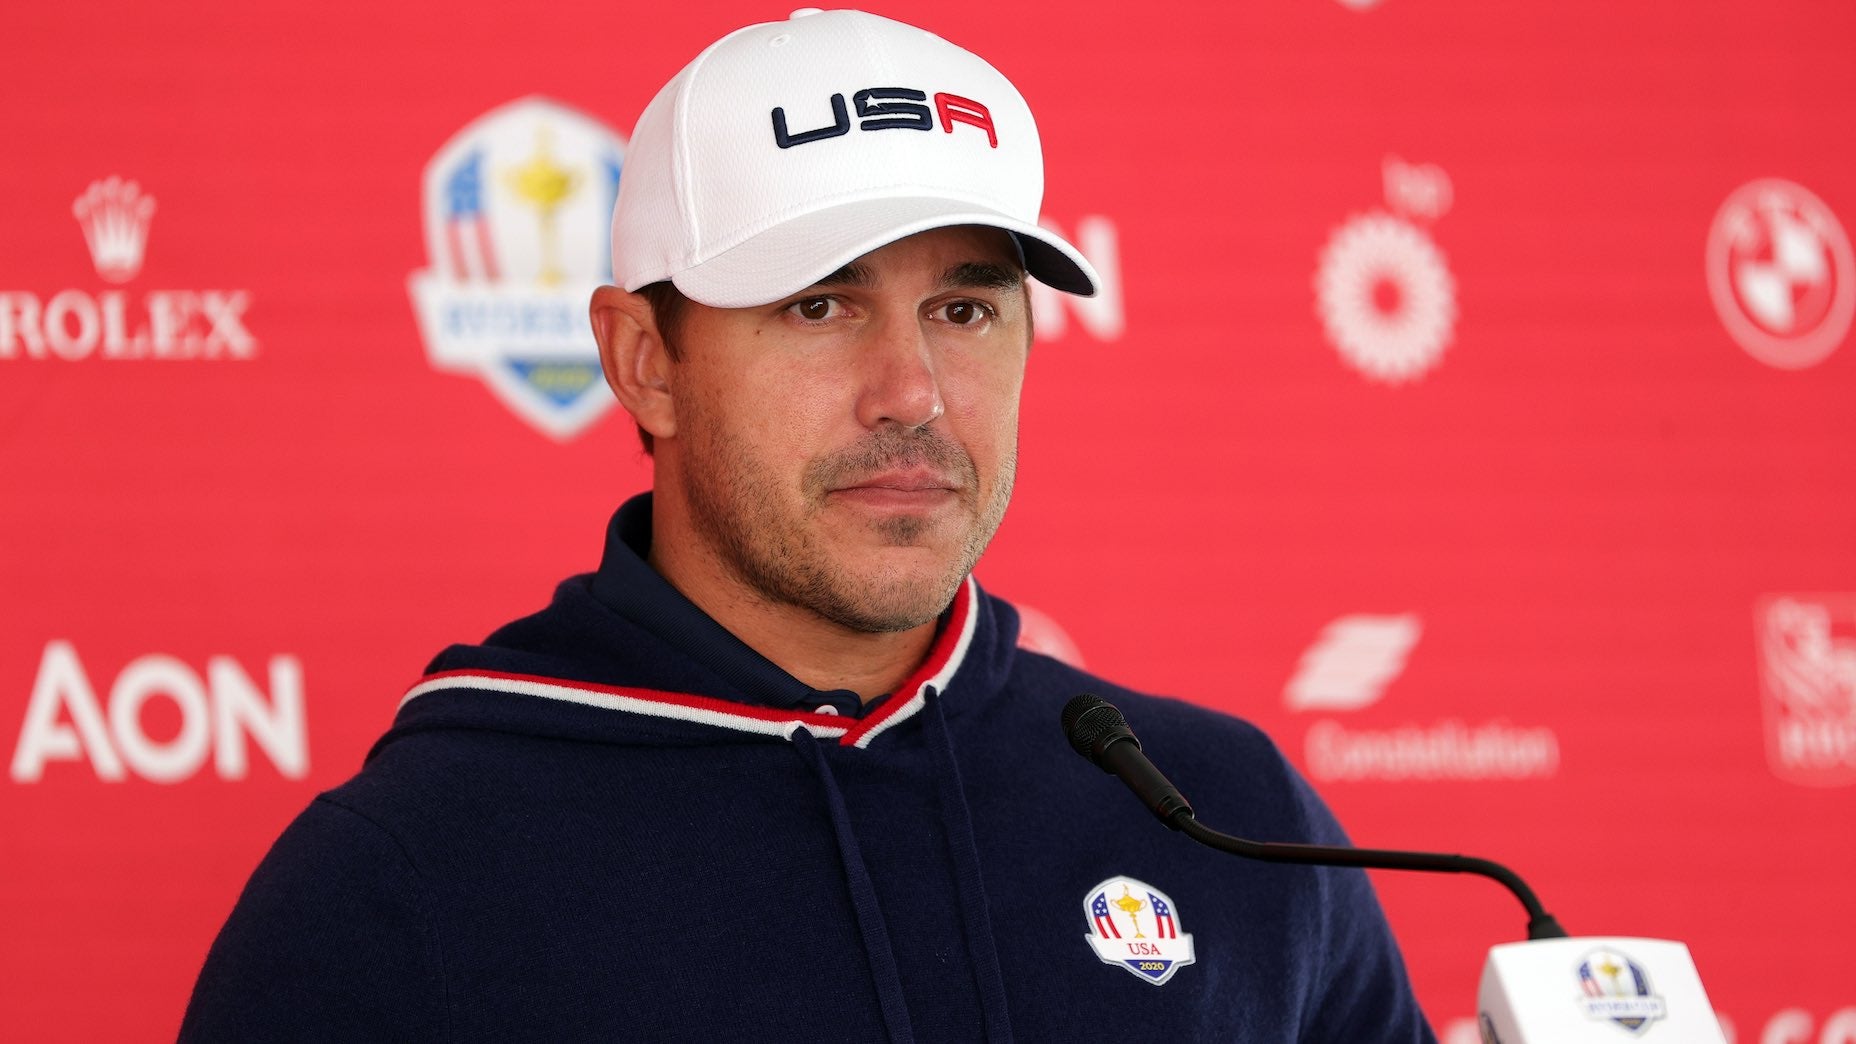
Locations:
467 229
1163 916
1105 925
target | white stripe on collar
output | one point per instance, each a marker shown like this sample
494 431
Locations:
937 670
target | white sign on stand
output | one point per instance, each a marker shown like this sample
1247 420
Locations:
1597 990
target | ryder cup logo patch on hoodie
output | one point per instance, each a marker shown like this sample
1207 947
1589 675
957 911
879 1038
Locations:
1136 926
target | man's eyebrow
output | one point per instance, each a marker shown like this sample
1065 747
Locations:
982 275
855 274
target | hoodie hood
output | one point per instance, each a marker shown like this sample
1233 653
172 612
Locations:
620 657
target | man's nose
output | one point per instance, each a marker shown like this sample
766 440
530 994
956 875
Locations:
901 385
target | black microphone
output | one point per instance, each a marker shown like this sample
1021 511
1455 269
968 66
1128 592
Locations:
1099 732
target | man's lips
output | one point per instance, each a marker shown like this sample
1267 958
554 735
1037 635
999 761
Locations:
912 489
913 480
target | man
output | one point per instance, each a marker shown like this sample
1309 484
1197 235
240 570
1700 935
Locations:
777 770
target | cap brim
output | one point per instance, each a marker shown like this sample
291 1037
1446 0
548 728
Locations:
797 253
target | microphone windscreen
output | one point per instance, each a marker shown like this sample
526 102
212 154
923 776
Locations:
1092 723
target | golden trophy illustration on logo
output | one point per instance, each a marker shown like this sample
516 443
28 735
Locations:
545 185
1132 907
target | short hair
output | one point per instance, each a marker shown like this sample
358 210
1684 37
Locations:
668 308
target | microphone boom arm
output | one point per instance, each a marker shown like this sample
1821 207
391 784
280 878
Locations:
1099 732
1540 923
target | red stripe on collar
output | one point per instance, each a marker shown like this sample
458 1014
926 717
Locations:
681 706
937 669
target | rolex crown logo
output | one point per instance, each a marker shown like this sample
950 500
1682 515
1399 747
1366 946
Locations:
114 215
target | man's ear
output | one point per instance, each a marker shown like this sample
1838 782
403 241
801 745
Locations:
635 359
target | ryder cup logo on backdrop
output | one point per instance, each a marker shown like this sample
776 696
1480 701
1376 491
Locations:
518 219
1616 988
1135 926
1383 289
1781 274
1807 673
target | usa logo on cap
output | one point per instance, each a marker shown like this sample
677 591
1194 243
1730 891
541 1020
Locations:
516 206
1136 926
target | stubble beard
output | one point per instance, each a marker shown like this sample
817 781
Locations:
737 508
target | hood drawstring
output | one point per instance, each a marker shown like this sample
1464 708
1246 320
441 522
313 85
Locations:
870 924
970 888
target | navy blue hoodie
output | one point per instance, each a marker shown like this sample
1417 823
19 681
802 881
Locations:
614 821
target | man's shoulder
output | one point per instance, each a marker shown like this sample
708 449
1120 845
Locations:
1226 765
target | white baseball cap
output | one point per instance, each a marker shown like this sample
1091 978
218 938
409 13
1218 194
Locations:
786 150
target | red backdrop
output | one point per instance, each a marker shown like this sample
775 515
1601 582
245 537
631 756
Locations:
1471 406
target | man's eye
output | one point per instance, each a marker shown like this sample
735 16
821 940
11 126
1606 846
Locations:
813 309
965 313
